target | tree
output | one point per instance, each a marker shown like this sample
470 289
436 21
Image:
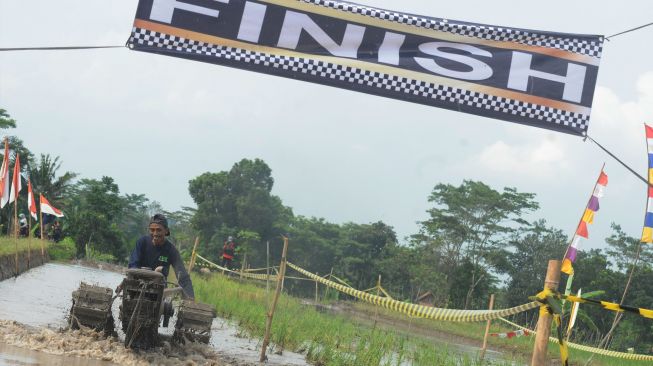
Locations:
43 175
471 222
363 248
94 214
527 258
238 201
5 120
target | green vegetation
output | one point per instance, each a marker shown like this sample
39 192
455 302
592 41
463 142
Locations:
62 251
330 339
327 339
8 245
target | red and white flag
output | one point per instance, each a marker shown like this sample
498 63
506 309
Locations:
31 204
16 184
47 208
4 177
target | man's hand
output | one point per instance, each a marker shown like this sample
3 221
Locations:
158 269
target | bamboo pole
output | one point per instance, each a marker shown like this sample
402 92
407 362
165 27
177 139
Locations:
193 255
29 240
617 316
544 322
41 216
270 314
16 226
487 330
570 279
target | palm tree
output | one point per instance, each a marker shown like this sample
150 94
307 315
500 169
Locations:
45 181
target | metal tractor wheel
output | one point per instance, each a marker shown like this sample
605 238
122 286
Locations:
92 309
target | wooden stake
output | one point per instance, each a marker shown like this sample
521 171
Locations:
487 330
193 255
376 308
544 322
316 288
242 267
267 271
270 315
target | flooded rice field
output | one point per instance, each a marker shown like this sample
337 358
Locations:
33 310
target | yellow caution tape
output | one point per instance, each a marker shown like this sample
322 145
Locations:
598 351
422 311
646 313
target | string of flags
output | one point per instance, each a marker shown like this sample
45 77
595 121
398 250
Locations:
588 218
647 232
509 335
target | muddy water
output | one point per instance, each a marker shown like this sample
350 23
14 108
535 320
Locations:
33 309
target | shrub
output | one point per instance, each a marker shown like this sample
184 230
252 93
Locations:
63 250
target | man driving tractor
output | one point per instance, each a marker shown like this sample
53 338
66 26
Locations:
156 252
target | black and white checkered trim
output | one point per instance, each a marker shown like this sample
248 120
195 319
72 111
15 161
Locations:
411 88
585 47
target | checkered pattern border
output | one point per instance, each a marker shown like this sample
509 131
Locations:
582 46
411 89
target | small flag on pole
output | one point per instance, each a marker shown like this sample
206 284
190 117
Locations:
31 204
16 184
574 313
588 218
4 177
47 208
647 233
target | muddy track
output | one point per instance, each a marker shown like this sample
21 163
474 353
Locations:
90 344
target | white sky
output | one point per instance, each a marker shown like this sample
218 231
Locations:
153 122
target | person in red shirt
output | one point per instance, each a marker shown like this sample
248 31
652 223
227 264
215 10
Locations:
228 252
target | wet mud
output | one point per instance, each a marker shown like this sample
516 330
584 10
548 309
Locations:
90 344
36 304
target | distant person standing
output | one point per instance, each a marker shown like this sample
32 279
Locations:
56 231
228 252
22 222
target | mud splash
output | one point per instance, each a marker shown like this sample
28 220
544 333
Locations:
36 305
90 344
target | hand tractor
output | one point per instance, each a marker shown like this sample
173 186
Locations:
146 303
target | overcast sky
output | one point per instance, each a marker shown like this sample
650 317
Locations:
154 122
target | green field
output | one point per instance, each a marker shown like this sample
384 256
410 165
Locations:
329 339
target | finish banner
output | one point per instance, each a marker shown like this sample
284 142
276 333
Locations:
536 78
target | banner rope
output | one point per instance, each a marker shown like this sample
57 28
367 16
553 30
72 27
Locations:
628 31
62 48
426 312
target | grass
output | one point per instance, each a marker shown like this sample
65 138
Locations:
326 339
8 245
329 339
